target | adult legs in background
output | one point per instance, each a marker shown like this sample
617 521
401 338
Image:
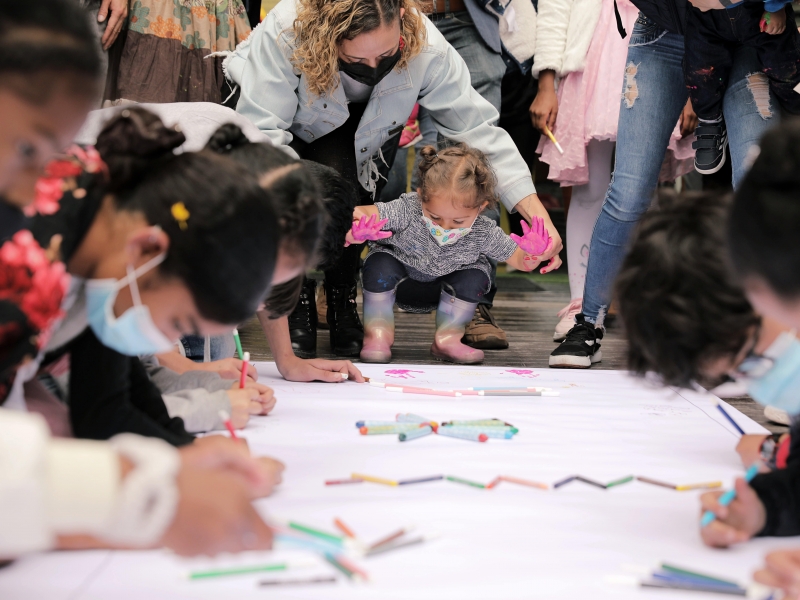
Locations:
587 200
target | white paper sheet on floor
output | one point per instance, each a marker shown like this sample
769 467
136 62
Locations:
511 542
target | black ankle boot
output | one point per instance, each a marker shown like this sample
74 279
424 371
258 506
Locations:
347 332
303 322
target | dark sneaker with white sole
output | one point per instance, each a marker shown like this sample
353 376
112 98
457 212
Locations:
580 348
710 147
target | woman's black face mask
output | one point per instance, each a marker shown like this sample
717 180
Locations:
369 75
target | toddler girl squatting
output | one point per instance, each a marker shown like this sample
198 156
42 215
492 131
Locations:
428 250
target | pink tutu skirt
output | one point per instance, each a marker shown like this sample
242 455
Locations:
589 105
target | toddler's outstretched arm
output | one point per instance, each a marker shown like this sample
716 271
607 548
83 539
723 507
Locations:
366 226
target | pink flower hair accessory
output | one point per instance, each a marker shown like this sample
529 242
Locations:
368 230
534 239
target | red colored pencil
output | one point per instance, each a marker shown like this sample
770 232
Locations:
245 360
226 418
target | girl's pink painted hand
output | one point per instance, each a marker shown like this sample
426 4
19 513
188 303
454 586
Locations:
367 229
535 239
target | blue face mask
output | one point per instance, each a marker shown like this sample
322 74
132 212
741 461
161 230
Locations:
780 385
133 333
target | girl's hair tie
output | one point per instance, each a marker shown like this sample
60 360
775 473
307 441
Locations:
181 214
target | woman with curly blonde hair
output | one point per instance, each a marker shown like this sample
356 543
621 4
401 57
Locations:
335 80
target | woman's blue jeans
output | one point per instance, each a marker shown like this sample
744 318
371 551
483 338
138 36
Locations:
653 97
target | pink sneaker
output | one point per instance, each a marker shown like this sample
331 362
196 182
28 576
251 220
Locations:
411 134
567 321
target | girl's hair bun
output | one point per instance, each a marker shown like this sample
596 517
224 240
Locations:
131 141
226 138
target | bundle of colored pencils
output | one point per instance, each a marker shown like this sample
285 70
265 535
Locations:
411 427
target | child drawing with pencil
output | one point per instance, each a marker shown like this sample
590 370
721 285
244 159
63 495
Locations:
430 249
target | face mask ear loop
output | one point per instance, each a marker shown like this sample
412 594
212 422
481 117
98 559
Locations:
134 274
137 300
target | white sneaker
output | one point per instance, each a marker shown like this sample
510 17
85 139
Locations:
567 321
776 415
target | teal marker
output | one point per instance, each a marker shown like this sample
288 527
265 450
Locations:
729 496
238 344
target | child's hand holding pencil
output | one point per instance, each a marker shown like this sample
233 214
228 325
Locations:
735 523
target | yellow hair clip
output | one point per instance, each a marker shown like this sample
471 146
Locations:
181 214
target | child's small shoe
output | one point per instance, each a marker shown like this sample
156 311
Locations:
452 350
452 317
710 146
378 327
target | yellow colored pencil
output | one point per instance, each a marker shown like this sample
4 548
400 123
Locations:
699 486
553 139
374 479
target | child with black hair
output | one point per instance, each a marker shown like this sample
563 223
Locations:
156 250
432 249
711 39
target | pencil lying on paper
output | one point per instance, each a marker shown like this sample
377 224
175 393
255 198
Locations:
525 482
268 582
730 419
656 482
390 538
422 391
400 544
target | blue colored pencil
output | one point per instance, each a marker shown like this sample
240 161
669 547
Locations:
729 496
730 419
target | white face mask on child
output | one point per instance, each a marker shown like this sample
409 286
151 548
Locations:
443 236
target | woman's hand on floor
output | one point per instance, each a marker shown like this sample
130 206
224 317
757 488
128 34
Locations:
735 523
319 369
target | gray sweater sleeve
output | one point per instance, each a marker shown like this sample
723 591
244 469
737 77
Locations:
169 381
198 408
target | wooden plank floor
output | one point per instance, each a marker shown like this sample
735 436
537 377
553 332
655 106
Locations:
525 307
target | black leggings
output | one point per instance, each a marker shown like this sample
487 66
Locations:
335 150
383 272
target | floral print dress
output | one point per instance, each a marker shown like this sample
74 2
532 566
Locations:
163 55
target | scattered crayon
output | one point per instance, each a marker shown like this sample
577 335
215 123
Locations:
360 424
340 525
413 434
374 479
268 582
622 481
518 481
421 480
656 482
492 432
699 486
343 481
466 435
465 482
588 481
388 429
569 479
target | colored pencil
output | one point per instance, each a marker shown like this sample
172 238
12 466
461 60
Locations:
421 480
465 482
558 484
390 538
411 418
374 479
360 424
400 544
269 582
226 419
333 560
620 481
238 343
729 496
507 388
243 378
525 482
472 436
656 482
730 419
413 434
520 393
351 566
681 571
343 481
424 392
328 537
389 429
224 572
340 525
588 481
553 139
493 483
699 486
695 587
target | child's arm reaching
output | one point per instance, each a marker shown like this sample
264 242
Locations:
367 225
534 241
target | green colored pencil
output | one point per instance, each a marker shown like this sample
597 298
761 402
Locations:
328 537
680 571
238 344
247 570
620 481
465 482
